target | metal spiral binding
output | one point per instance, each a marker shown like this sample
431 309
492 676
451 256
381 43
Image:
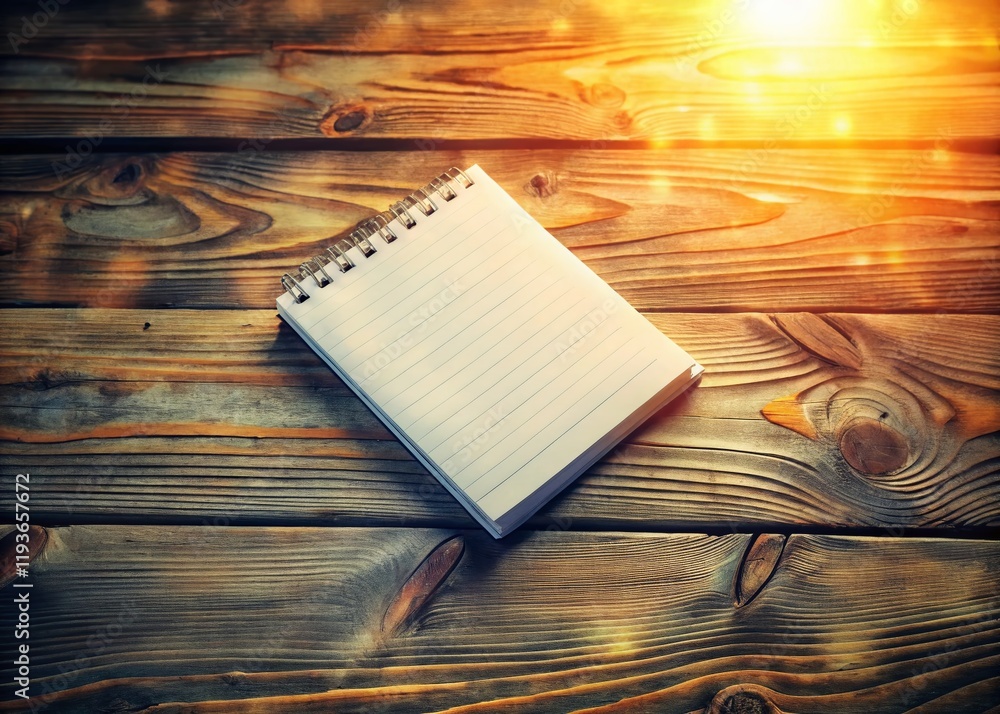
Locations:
315 269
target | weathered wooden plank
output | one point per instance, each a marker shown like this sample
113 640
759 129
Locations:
150 30
578 70
682 230
541 622
228 417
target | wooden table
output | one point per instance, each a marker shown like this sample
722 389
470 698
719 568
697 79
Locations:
806 197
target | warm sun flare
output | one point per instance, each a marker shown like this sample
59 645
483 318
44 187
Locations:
791 19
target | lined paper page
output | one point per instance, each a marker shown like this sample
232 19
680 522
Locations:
498 353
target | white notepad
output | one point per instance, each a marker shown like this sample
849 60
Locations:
502 362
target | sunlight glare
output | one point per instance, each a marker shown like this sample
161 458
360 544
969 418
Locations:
789 19
706 127
789 64
560 24
158 8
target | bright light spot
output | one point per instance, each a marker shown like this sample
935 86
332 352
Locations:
661 186
842 125
659 144
305 9
789 64
941 155
896 258
862 259
683 108
791 19
560 24
706 127
621 646
158 8
767 197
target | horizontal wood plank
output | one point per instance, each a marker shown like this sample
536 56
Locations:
687 230
399 620
228 417
424 70
843 296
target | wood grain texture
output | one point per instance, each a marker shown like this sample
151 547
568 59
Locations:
570 70
842 294
228 417
289 620
687 230
26 543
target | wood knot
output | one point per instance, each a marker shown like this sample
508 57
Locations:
142 214
18 543
130 174
743 699
606 96
873 448
45 379
118 183
622 120
820 337
541 185
341 120
234 679
746 703
10 231
879 425
759 562
349 122
422 583
118 705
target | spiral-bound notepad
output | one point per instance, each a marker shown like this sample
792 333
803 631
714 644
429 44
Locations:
503 363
